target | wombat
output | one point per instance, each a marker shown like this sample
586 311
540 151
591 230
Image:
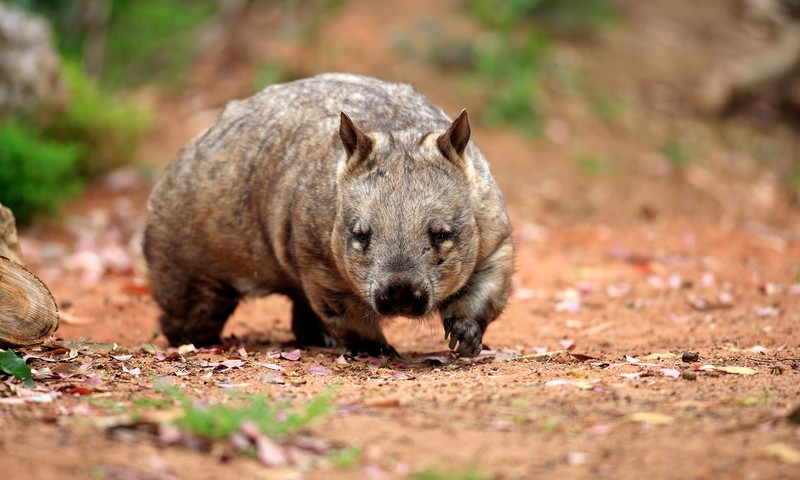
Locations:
391 213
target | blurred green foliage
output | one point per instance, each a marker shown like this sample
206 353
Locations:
153 41
557 17
46 161
510 58
435 475
144 41
108 127
36 174
676 151
49 157
592 165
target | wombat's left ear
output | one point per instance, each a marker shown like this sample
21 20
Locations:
454 140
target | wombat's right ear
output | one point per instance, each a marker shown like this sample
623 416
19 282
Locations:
353 139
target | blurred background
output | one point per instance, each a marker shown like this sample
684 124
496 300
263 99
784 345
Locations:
588 110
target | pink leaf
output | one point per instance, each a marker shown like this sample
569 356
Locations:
319 370
234 363
671 372
567 344
340 360
122 358
94 381
293 356
271 366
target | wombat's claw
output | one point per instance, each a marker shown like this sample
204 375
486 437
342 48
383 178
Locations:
467 334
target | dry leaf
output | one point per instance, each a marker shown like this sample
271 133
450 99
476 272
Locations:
737 370
652 418
660 356
784 453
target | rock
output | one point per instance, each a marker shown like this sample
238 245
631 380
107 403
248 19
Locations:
29 65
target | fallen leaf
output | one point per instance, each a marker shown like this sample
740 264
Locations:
136 288
340 360
70 319
671 372
768 311
618 291
567 344
271 366
187 348
782 452
382 403
233 363
94 381
122 358
599 430
319 370
174 355
652 418
133 371
293 356
568 301
271 379
737 370
579 384
582 357
76 390
659 356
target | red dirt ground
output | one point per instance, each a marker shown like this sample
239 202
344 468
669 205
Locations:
646 260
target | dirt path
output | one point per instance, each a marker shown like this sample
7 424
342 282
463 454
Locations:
618 275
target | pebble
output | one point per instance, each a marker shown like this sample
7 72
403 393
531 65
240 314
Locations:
689 374
690 357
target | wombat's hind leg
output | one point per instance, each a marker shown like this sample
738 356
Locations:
308 328
197 315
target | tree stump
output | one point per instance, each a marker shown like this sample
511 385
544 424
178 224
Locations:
28 312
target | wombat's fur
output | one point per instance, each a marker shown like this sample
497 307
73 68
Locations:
391 214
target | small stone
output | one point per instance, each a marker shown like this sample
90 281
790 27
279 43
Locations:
690 357
689 374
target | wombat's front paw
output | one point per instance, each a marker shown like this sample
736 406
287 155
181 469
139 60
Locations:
467 333
371 348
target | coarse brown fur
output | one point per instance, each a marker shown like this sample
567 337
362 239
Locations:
392 213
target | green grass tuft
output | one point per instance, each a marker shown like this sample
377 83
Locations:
220 421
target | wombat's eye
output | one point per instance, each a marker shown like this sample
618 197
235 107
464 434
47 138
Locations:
439 237
362 238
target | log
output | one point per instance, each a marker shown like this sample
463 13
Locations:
9 246
28 312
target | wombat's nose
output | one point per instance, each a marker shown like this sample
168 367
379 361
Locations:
401 298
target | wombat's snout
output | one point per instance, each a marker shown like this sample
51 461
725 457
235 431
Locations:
401 297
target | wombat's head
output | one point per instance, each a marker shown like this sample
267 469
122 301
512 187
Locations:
405 234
